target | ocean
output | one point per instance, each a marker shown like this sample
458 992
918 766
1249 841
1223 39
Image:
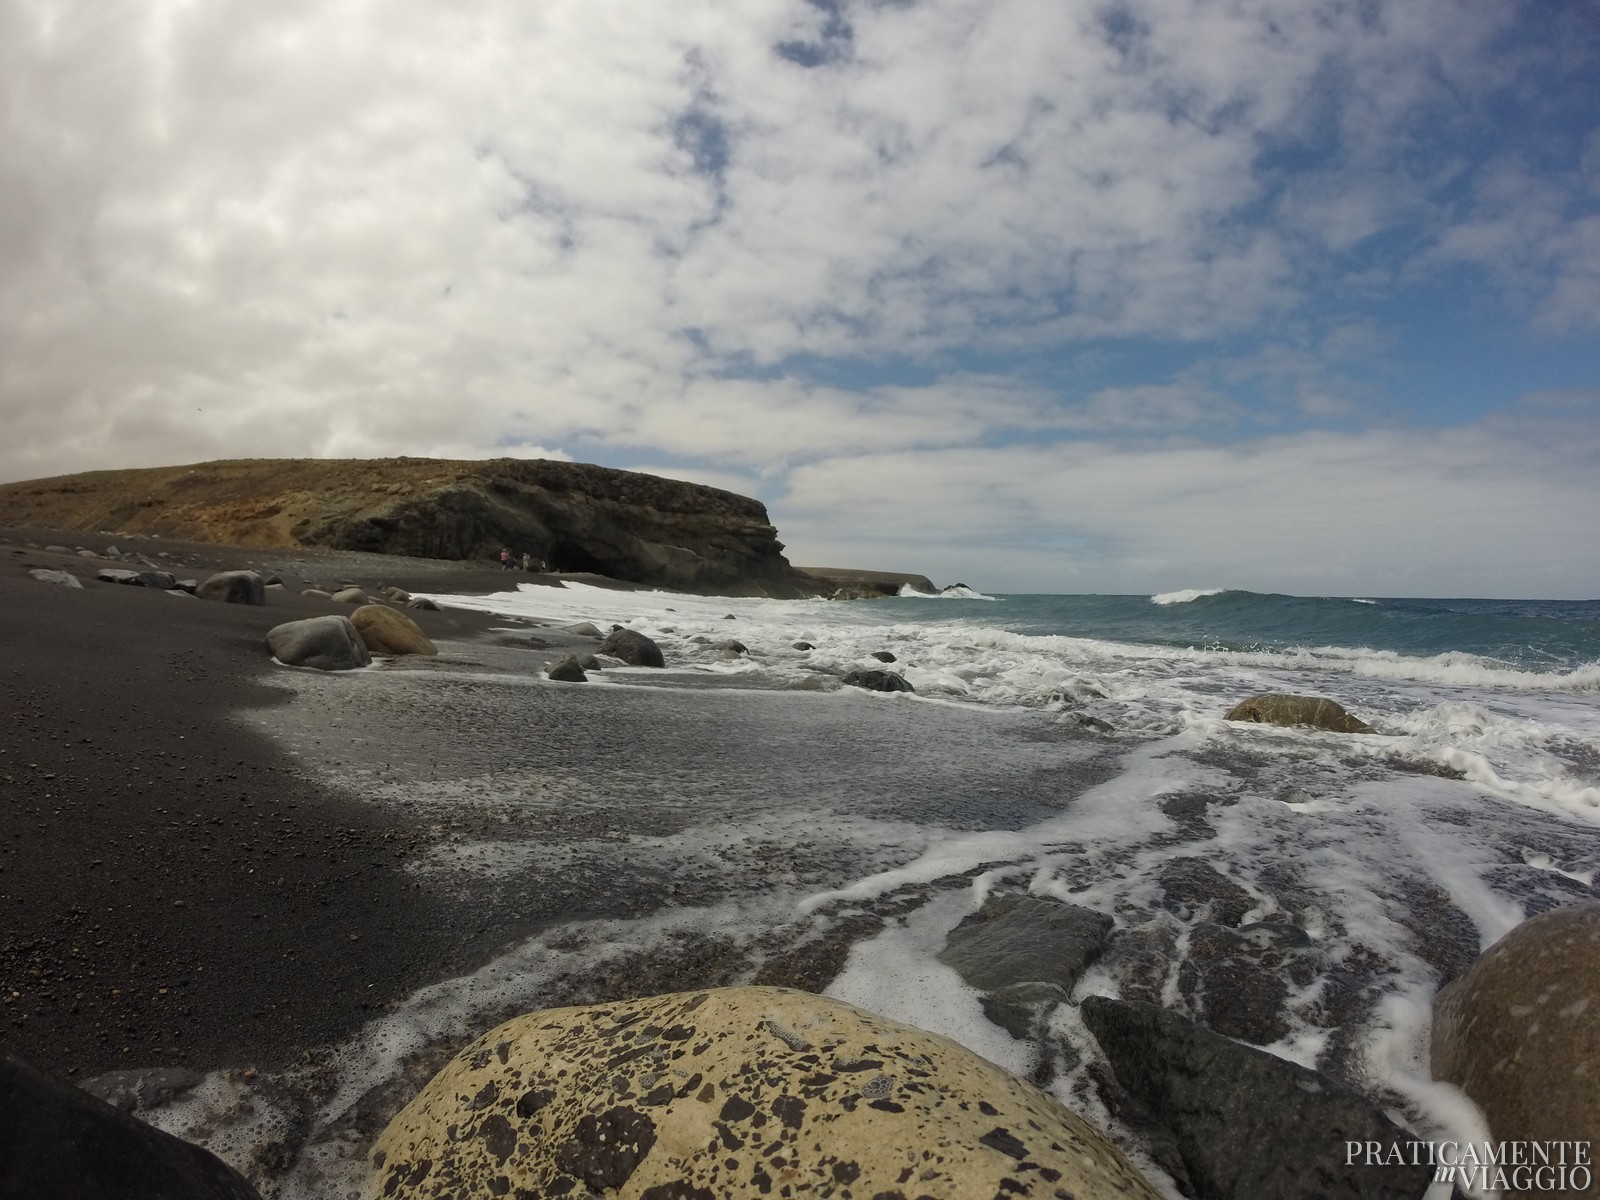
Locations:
1067 746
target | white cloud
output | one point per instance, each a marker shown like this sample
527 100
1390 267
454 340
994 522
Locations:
1499 508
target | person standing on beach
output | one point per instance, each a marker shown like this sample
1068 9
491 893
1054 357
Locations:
527 561
505 559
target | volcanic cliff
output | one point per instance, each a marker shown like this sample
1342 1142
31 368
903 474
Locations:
660 532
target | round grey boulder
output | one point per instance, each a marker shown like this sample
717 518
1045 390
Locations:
234 587
633 648
351 595
326 643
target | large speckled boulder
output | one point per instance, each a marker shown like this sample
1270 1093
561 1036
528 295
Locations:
326 643
234 587
385 631
1519 1032
1277 708
735 1092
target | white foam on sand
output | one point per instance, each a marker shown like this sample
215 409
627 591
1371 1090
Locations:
897 975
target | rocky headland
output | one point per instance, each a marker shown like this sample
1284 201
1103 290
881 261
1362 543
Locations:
576 517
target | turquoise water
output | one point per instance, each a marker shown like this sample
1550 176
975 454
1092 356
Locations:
1529 635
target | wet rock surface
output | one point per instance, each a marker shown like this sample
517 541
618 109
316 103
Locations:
633 648
1281 709
59 1141
1015 939
1519 1031
874 680
1244 1124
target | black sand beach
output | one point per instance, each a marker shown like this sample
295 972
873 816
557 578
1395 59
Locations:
172 890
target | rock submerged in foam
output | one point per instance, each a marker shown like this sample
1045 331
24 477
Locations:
633 648
736 1092
874 680
1519 1032
1277 708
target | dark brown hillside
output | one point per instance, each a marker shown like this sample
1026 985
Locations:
660 532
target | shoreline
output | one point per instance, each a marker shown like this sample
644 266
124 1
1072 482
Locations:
225 866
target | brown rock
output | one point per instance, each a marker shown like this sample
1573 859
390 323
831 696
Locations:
386 631
1519 1032
1276 708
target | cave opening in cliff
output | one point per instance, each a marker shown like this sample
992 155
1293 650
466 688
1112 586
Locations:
574 557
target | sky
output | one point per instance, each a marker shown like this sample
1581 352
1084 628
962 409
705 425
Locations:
1037 295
